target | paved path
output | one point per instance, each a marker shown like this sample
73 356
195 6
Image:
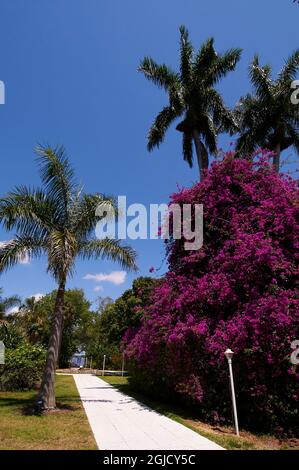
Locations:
120 422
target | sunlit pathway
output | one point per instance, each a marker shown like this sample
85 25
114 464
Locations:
121 422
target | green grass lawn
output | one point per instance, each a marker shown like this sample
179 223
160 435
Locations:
224 436
66 429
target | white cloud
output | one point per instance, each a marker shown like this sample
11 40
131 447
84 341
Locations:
115 277
12 310
98 288
38 296
23 259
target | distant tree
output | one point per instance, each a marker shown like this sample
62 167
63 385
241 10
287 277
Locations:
57 220
267 118
102 303
36 317
7 303
34 321
111 323
193 98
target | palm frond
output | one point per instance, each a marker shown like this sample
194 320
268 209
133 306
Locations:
29 211
290 69
109 249
223 117
186 56
260 78
222 65
12 251
160 75
85 212
210 134
57 175
159 127
246 143
204 58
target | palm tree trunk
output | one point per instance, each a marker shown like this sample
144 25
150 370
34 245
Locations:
202 157
276 157
46 396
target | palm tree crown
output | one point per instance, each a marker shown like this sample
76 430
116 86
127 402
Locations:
267 118
193 98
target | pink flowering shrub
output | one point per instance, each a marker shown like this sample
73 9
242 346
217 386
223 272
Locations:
240 290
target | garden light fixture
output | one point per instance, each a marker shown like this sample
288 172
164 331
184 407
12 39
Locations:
229 354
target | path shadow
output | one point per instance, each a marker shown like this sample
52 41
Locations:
150 403
95 401
97 388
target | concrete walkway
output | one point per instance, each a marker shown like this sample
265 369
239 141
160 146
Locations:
120 422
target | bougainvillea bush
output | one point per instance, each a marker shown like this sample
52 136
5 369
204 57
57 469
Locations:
240 290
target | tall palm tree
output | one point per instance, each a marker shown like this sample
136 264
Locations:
193 98
8 302
57 220
267 118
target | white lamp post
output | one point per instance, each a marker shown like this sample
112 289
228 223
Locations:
229 354
2 353
104 360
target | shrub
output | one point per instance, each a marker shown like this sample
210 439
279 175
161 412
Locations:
11 335
23 367
240 290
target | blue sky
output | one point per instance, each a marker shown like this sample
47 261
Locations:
69 67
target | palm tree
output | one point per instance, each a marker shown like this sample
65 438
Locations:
268 118
193 98
56 220
8 302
